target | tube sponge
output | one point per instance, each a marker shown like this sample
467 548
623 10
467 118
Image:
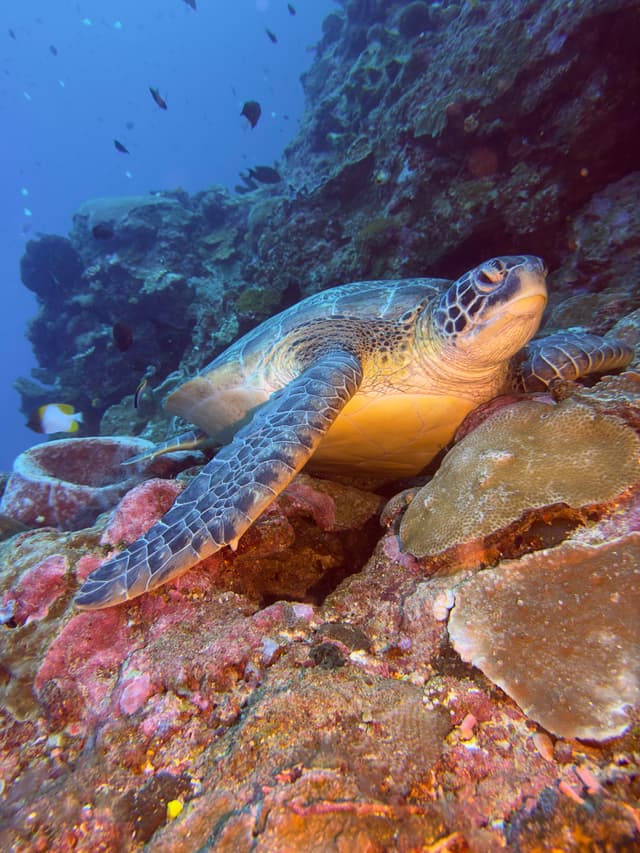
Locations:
528 455
559 631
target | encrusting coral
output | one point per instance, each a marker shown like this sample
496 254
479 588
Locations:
526 456
559 631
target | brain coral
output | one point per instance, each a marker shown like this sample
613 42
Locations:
559 631
526 456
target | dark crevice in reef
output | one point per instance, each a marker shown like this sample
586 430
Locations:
358 547
328 559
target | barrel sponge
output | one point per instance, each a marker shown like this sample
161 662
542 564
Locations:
558 630
527 456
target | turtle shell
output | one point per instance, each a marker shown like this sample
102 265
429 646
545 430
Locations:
226 392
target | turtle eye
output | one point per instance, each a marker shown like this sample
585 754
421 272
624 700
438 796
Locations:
490 275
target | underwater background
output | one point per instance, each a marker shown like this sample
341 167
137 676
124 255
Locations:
75 77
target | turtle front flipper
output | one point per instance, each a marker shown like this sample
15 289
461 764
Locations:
570 355
234 488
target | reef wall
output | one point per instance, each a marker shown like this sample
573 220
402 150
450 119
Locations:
435 135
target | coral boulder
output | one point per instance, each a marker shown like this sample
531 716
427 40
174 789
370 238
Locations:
559 631
528 456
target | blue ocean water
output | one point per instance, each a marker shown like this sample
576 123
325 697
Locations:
75 76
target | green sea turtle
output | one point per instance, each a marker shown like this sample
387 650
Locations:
373 376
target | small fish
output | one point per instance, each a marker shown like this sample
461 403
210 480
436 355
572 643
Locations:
265 175
102 231
122 336
191 3
291 9
55 417
157 97
250 184
120 147
53 50
252 112
137 397
12 34
272 36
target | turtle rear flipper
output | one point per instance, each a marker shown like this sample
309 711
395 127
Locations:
234 488
193 439
570 355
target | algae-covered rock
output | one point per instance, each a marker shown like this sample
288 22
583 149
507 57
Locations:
51 268
559 631
134 219
414 18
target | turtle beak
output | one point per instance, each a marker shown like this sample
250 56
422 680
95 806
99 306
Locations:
527 283
526 313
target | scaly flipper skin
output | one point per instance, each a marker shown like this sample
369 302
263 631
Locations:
235 487
570 355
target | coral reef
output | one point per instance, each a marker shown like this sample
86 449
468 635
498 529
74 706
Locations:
280 724
139 262
431 139
558 630
525 457
138 509
308 691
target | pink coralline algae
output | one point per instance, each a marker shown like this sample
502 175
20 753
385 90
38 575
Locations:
103 665
90 646
135 693
68 483
139 509
301 495
37 589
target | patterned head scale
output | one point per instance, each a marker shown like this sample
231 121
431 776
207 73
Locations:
477 296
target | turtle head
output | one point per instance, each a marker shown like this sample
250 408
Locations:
491 312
